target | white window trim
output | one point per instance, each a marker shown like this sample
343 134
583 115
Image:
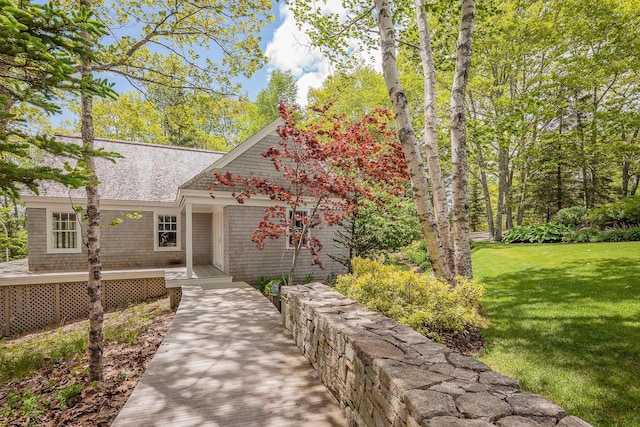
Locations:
156 243
289 245
50 248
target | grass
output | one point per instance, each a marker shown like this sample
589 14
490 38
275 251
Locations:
19 356
565 320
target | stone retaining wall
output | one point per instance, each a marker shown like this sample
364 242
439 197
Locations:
385 374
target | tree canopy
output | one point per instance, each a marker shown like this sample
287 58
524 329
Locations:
40 49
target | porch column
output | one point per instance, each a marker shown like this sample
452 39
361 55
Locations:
189 241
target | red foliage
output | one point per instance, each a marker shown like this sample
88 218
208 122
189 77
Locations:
325 168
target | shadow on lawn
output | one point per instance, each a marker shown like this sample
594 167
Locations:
582 321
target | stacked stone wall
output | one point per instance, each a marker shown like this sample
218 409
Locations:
385 374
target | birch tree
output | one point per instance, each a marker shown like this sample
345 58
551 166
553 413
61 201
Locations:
449 252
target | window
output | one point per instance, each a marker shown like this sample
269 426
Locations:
167 232
64 232
300 220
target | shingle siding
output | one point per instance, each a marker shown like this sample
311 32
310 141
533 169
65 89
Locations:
251 164
247 263
128 245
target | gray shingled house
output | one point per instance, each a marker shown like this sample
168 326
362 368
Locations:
180 224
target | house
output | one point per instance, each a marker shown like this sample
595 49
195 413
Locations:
179 224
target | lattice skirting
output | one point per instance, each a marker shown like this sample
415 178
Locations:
32 307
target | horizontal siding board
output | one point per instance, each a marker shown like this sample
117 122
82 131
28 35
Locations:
248 263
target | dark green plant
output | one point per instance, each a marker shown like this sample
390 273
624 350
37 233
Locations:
26 404
574 216
630 235
584 236
278 281
543 233
416 252
621 214
374 229
66 395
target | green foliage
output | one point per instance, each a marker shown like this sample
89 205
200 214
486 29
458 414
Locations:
374 229
270 284
308 278
19 357
623 213
543 233
416 252
26 404
66 395
629 235
426 304
573 217
40 49
583 236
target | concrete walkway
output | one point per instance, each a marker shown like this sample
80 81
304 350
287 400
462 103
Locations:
226 361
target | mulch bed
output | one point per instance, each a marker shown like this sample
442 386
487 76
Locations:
96 404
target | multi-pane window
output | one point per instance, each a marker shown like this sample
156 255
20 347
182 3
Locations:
299 226
167 232
64 232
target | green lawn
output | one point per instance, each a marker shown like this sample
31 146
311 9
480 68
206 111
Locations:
565 320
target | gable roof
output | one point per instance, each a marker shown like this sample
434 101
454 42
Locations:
147 172
245 159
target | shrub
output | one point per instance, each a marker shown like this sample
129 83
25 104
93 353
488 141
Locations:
416 252
630 235
573 217
543 233
623 213
584 236
424 303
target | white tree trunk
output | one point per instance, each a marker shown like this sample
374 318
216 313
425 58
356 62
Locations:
94 283
459 142
406 134
431 138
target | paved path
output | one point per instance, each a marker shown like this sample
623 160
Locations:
226 361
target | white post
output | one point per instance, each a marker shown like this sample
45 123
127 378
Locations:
189 241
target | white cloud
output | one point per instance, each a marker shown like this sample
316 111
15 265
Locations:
290 49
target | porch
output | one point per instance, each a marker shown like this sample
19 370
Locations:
34 300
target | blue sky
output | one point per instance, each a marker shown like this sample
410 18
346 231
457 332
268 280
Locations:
287 48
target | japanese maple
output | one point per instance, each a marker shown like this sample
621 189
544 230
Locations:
323 170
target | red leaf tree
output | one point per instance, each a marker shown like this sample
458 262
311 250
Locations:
322 171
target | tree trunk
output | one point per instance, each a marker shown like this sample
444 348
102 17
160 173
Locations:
459 142
486 194
559 186
508 201
431 138
406 134
483 177
94 283
523 196
502 188
634 187
626 178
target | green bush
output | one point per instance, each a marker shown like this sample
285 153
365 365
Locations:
416 252
583 236
543 233
630 235
623 213
422 302
573 217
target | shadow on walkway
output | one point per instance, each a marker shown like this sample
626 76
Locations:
227 361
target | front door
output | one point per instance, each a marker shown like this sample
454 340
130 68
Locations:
218 241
